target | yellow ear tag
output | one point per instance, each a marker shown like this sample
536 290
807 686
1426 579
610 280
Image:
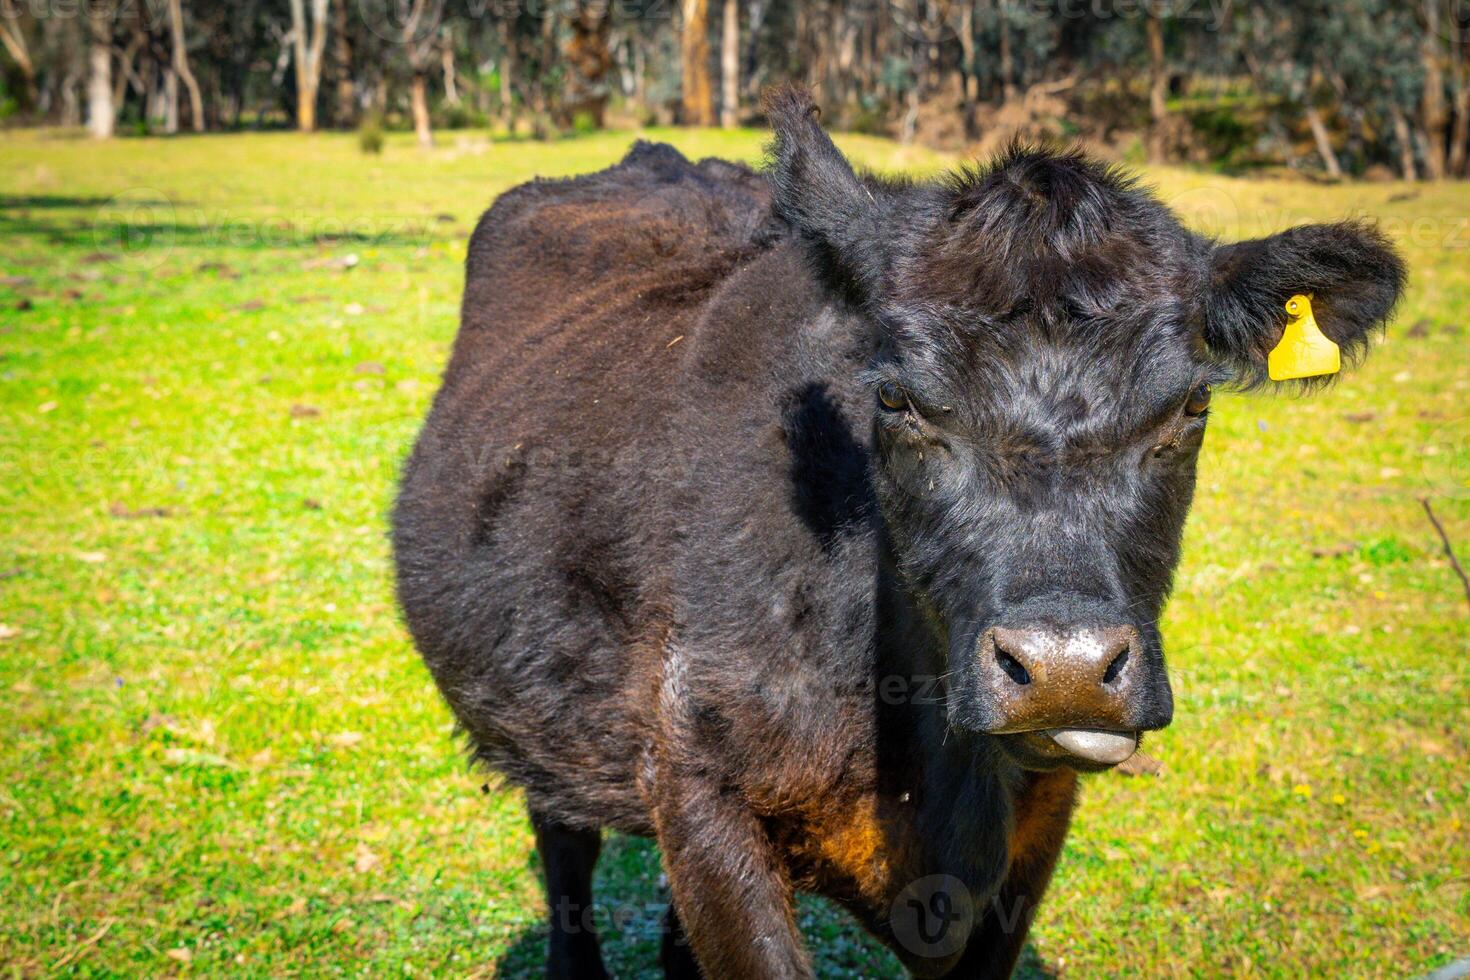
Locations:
1304 351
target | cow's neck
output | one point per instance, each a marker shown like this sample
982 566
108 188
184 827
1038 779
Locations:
962 788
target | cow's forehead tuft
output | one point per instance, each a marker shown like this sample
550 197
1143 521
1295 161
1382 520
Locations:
1047 230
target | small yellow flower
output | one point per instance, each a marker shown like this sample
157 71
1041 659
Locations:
1302 790
1339 799
1360 833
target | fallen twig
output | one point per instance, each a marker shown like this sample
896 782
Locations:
82 946
1449 551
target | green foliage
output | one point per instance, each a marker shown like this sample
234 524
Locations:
370 134
1385 551
583 122
220 746
1227 135
866 116
461 116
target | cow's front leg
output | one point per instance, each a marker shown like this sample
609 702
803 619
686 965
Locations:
1043 813
733 896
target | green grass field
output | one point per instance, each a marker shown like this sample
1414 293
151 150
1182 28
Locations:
220 753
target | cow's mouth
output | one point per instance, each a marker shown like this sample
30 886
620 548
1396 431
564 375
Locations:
1084 749
1095 745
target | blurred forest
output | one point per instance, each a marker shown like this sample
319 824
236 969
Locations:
1369 88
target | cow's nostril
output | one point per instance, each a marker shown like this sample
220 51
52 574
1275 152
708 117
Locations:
1116 667
1012 667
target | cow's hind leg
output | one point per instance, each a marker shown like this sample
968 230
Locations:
568 857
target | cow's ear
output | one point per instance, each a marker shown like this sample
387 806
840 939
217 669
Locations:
837 213
1350 272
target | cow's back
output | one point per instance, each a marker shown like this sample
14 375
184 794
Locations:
525 547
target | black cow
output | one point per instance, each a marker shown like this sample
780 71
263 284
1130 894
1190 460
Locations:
818 525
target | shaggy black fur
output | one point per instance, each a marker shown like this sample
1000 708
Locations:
679 570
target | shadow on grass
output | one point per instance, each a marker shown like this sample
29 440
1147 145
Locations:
42 202
135 238
630 904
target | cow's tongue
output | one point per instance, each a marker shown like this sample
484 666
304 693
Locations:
1108 748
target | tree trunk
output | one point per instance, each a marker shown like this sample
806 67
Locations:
1007 60
418 32
342 53
100 114
507 74
755 13
153 102
730 65
309 41
1460 73
14 40
418 94
181 64
1434 115
910 117
1324 142
170 100
640 73
588 57
1460 136
969 71
1405 140
126 75
71 108
698 94
446 62
1158 84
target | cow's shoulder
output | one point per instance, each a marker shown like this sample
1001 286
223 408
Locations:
655 206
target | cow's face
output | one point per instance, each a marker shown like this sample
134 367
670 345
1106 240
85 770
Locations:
1049 338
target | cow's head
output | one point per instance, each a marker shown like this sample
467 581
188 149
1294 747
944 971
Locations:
1048 337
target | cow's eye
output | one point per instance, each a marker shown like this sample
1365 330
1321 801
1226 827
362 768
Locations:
1199 400
893 398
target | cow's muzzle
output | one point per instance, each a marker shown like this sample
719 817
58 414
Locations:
1082 693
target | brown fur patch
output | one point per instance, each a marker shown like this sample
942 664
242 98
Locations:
855 850
1043 812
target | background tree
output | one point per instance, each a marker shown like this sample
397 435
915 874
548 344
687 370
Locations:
309 40
1158 81
419 32
729 63
1333 87
342 50
13 37
698 93
181 64
588 60
100 114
